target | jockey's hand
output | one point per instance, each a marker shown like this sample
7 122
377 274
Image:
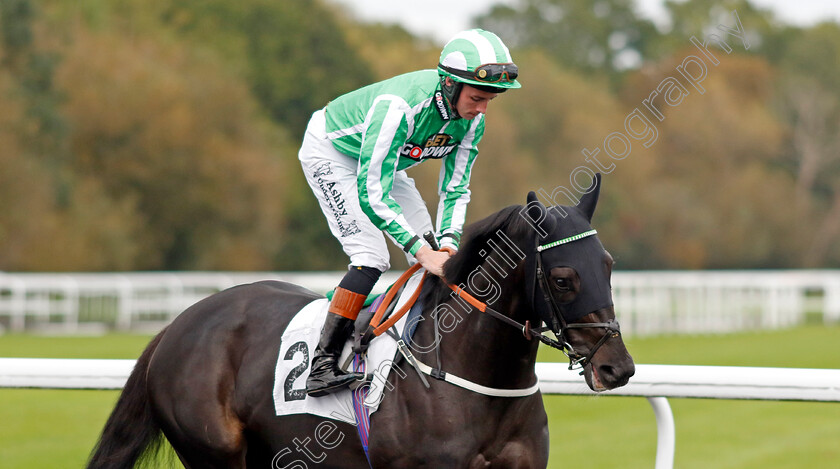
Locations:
432 260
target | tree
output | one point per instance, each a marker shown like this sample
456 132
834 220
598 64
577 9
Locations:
598 38
718 196
809 101
294 53
204 177
32 67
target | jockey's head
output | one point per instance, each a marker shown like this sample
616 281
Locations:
480 60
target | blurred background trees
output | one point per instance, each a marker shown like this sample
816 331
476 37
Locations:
163 135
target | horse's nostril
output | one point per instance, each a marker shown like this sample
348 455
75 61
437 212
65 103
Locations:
616 375
606 372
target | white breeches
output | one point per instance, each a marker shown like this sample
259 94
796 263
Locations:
332 177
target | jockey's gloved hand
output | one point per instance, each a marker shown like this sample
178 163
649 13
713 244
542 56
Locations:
432 260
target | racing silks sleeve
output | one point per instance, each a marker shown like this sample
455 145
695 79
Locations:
454 185
385 132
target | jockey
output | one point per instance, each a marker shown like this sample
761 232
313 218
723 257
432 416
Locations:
354 156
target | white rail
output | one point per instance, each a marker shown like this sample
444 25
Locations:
64 373
73 302
713 382
658 382
646 302
655 382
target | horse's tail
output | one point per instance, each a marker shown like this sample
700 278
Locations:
131 433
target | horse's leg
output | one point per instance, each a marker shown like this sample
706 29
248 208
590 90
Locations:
205 434
193 398
212 439
521 455
194 456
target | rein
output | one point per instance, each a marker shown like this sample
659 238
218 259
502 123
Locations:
379 329
576 359
526 328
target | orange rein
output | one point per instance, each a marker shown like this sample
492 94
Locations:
389 297
392 292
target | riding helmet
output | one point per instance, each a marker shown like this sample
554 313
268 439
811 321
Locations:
478 58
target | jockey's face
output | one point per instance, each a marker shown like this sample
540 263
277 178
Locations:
472 102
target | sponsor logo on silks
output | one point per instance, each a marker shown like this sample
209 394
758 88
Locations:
437 146
335 200
440 102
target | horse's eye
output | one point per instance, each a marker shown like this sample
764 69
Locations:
561 283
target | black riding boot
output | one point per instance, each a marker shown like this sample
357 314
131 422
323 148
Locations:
326 377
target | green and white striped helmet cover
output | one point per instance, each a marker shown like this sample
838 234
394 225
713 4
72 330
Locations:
471 49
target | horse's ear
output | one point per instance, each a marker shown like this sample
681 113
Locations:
590 198
535 213
533 200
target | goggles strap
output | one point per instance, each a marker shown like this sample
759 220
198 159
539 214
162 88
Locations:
481 74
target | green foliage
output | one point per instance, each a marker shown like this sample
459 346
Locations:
164 134
596 38
15 29
186 166
179 155
702 17
32 70
809 104
742 173
294 52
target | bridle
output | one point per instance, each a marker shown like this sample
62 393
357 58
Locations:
559 324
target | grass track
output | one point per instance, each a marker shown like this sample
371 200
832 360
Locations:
42 429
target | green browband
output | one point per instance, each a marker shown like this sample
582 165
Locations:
566 240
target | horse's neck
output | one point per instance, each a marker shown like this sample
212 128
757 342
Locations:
476 346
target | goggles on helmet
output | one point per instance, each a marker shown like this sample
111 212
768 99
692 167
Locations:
487 73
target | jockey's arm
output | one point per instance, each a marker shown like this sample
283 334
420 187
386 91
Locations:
453 188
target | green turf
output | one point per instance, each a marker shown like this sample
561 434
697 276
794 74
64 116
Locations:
615 432
45 428
57 428
50 428
107 346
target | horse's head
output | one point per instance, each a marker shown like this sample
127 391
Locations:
568 274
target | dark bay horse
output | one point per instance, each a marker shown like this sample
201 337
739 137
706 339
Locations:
205 382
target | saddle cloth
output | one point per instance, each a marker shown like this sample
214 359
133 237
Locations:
294 359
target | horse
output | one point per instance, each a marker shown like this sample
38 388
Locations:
205 381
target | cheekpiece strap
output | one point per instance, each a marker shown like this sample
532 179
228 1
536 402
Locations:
566 240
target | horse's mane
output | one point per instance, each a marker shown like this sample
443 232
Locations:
468 257
476 237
